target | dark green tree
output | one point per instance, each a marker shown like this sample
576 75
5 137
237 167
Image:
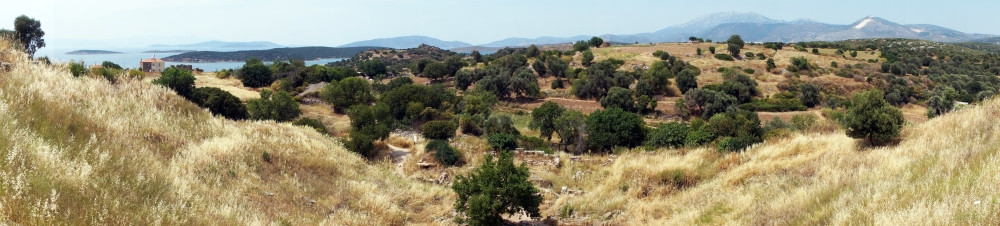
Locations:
614 127
29 33
706 103
532 51
255 74
435 71
347 93
539 68
570 126
476 56
444 153
110 65
670 134
544 117
770 64
495 188
596 41
734 45
619 97
686 80
439 129
587 58
498 123
372 68
181 81
711 49
809 94
277 106
220 102
581 46
502 141
872 118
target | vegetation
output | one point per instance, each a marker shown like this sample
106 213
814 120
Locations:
346 93
444 153
870 117
181 81
311 123
278 106
614 127
496 187
29 34
734 44
672 134
502 142
439 130
280 54
544 118
220 102
255 74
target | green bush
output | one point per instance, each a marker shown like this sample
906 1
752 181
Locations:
77 69
736 143
672 134
498 123
774 104
181 81
532 143
809 94
749 70
803 122
469 124
495 188
347 93
614 127
543 118
725 57
220 102
439 129
255 74
311 123
872 118
274 106
444 153
502 142
697 137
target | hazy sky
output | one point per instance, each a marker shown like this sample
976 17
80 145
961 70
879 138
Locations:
131 23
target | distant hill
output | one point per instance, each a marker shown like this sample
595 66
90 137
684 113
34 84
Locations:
91 52
396 59
223 45
405 42
168 51
305 53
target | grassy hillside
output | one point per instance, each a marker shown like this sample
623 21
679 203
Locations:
83 151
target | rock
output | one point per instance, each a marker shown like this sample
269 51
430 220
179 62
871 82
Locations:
556 162
541 182
425 164
609 215
269 194
310 202
444 176
563 189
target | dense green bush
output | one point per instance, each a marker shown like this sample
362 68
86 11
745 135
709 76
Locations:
872 118
698 134
741 127
572 130
347 93
725 57
706 103
311 123
614 127
502 141
220 102
444 153
774 104
277 106
181 81
670 134
498 123
809 94
255 74
77 69
361 143
495 188
543 118
686 81
469 124
439 129
619 97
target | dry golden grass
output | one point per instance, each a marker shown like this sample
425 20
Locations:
83 151
942 172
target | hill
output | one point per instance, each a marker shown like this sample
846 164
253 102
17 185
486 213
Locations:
396 59
91 52
405 42
222 45
85 151
305 53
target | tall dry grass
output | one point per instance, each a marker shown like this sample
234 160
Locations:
943 172
83 151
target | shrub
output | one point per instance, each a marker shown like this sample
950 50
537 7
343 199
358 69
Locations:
749 70
277 106
803 122
698 135
439 129
619 97
571 129
872 118
444 153
311 123
347 93
670 134
740 123
502 142
469 124
614 127
495 188
774 104
725 57
497 123
361 143
531 143
686 80
77 69
181 81
809 94
220 102
255 74
543 118
706 103
736 143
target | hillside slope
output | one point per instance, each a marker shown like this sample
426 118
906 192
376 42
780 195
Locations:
83 151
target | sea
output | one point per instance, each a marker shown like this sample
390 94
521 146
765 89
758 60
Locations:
129 58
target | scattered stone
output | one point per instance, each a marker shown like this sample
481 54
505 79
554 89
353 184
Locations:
541 182
425 164
563 189
442 178
609 215
310 202
556 162
269 194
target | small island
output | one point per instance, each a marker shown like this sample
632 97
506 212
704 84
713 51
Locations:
168 51
92 52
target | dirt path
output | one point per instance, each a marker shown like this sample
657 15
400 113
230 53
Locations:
398 156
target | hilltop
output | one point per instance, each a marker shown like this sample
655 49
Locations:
305 53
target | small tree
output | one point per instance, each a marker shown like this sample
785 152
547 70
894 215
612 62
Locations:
596 41
587 58
532 51
372 68
543 118
619 97
255 74
435 71
698 51
220 102
495 188
614 127
347 93
277 106
29 33
181 81
581 46
770 64
670 134
872 118
439 129
809 94
734 45
571 129
711 49
502 142
476 56
443 152
686 80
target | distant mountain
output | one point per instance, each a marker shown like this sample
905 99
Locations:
868 27
405 42
91 52
223 45
304 53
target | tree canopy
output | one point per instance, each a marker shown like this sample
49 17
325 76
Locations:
29 33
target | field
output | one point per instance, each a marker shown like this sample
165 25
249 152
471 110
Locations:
84 151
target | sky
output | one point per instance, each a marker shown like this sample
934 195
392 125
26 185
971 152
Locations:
130 23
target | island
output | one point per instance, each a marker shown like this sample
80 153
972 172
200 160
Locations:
168 51
304 53
92 52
